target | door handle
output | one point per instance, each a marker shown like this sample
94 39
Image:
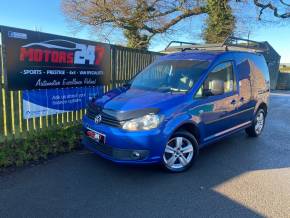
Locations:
233 102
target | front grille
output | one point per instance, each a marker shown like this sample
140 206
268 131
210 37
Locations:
116 153
109 120
94 110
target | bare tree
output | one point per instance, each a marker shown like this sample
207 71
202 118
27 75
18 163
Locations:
140 20
263 5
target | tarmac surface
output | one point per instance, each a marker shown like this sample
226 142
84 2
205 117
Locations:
236 177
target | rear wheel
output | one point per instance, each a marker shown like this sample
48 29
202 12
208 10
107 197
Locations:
258 124
180 152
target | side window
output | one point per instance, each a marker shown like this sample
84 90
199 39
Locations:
219 81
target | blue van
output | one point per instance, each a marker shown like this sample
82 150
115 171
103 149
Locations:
177 105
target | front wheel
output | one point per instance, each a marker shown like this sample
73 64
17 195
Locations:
258 124
180 152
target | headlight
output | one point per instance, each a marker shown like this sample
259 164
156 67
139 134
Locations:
146 122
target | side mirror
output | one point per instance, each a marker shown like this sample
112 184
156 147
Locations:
127 85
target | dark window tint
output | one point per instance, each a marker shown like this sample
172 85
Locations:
260 64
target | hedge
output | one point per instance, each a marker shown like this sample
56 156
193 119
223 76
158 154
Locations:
39 145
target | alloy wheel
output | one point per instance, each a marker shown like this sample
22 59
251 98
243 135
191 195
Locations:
260 120
178 153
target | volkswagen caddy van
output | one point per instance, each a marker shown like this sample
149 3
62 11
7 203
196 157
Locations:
177 105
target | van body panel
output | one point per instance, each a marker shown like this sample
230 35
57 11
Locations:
212 117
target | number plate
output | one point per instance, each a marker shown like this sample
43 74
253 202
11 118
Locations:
99 137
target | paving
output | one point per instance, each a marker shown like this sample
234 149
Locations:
236 177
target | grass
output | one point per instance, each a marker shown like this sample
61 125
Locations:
285 69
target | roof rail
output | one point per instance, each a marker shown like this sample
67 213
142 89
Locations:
179 42
243 43
231 43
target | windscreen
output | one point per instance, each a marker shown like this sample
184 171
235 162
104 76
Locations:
170 75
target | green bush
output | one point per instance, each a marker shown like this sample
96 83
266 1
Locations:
38 145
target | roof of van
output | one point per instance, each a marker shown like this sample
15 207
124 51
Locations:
205 55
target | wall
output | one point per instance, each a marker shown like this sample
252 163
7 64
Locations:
283 81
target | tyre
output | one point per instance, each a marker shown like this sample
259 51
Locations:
258 124
180 152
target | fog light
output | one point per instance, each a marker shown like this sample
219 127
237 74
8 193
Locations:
136 155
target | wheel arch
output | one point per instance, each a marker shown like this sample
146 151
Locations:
191 128
263 106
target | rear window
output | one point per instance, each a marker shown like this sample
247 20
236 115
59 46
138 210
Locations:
260 64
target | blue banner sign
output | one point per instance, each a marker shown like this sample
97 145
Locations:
37 103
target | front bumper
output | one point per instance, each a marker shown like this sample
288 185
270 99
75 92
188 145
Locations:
140 147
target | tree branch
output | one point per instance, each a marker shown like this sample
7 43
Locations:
272 7
284 3
186 13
